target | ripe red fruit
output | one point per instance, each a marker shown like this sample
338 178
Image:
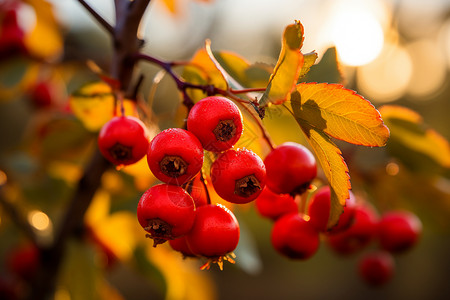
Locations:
271 205
217 123
293 236
123 140
319 209
180 245
399 231
197 190
290 168
215 234
175 156
12 36
376 268
23 261
358 235
238 176
166 212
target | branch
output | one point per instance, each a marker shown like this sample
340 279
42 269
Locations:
99 18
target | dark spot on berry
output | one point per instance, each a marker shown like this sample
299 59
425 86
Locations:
247 186
173 166
225 130
159 231
121 152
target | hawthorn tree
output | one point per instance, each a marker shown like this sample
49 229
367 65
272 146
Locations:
90 200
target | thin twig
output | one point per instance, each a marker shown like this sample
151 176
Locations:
99 18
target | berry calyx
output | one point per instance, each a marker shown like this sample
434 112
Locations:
123 140
376 268
214 235
175 156
319 209
238 176
398 231
271 205
166 212
217 122
290 168
294 237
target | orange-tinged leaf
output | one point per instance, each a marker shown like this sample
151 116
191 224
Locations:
333 166
340 113
308 61
409 130
288 67
94 105
45 40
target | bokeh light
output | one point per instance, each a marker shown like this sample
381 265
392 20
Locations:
39 220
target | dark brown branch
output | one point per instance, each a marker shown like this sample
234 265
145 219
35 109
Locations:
99 18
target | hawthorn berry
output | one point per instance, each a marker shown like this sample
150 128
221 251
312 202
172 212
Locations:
197 189
123 140
358 235
238 176
166 212
214 235
294 237
175 156
398 231
290 168
217 123
319 209
271 205
180 245
376 268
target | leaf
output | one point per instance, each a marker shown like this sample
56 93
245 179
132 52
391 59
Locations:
308 61
327 70
288 67
333 166
94 104
340 113
413 142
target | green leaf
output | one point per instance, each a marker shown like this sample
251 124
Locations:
288 67
413 142
327 70
340 113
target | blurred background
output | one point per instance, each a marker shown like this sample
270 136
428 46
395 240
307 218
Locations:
390 51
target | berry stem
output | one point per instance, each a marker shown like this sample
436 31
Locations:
97 16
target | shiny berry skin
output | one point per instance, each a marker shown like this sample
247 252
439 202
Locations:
175 156
180 245
376 268
197 190
166 212
398 231
319 208
271 205
123 140
238 176
290 168
359 235
215 232
294 237
217 123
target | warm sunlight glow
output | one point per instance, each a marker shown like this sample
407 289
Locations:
3 178
39 220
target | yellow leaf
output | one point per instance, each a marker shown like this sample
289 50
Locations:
333 166
309 60
408 129
288 67
45 40
94 105
340 113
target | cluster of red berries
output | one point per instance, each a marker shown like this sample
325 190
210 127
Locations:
297 236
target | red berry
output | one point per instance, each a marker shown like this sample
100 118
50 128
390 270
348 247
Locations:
319 209
123 140
273 206
175 156
290 168
398 231
23 261
215 233
180 245
197 190
166 212
238 176
294 237
358 235
217 122
376 268
12 36
42 94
